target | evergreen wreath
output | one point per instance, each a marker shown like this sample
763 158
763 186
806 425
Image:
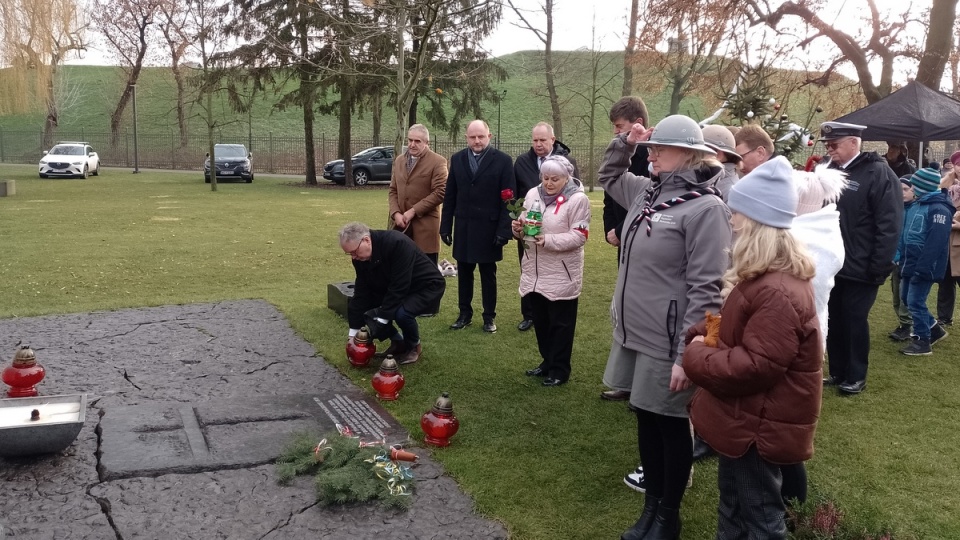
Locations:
347 470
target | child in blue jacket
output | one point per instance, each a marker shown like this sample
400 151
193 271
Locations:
924 248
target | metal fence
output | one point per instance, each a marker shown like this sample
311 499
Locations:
279 154
272 153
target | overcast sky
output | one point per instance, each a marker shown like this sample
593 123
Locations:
575 20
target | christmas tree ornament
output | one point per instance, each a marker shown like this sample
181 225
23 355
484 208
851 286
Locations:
773 100
749 114
361 348
439 423
388 381
24 374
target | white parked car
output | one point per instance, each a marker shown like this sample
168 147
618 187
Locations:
70 159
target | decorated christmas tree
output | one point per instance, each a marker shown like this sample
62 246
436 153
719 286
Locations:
752 101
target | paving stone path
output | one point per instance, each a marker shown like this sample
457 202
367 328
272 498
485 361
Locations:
187 406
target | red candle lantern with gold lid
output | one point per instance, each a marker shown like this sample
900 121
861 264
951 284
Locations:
24 374
439 423
388 381
361 348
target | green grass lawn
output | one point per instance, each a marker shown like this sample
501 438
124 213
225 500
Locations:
547 462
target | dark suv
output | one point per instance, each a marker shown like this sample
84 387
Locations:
233 161
370 165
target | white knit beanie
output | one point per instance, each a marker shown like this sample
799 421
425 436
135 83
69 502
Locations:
766 194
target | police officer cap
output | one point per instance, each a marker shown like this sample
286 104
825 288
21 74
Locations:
839 130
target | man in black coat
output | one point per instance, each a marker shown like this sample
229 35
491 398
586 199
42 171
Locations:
871 216
475 220
526 172
395 281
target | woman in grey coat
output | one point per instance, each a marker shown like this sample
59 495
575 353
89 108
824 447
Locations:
674 253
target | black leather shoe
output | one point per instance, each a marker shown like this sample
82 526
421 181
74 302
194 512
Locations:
701 450
550 381
853 388
832 381
460 323
525 325
488 326
537 372
615 395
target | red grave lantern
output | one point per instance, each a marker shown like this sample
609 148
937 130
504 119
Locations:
388 381
439 423
24 374
361 349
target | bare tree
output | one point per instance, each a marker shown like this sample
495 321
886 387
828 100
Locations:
126 25
174 26
629 53
545 35
208 40
36 36
596 65
884 39
695 33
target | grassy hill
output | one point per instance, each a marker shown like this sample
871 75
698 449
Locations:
95 91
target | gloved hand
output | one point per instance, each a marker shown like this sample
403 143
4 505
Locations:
447 239
500 241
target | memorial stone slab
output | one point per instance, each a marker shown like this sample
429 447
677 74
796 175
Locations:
172 437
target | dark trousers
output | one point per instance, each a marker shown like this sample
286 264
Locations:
407 322
848 337
488 286
526 310
666 453
947 295
435 257
750 504
554 321
899 307
794 483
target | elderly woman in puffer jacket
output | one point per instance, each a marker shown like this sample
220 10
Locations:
551 272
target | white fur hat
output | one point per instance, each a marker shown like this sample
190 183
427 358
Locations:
818 187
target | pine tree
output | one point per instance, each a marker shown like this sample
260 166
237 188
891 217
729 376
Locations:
752 101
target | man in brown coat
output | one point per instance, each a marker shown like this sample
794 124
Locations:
417 187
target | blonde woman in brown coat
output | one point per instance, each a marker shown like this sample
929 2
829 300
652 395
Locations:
760 385
417 186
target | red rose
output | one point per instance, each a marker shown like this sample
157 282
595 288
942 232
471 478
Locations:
506 194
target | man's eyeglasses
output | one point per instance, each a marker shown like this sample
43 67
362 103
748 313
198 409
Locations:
355 250
832 145
745 154
654 151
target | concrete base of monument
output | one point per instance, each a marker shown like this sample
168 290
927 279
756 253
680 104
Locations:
187 407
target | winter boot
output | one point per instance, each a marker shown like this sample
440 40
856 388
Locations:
666 526
937 333
640 528
901 333
918 347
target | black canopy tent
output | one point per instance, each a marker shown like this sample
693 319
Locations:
913 113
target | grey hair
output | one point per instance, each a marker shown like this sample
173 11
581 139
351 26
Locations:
556 165
545 125
353 232
422 129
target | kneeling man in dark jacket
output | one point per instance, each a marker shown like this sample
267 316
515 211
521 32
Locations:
395 281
